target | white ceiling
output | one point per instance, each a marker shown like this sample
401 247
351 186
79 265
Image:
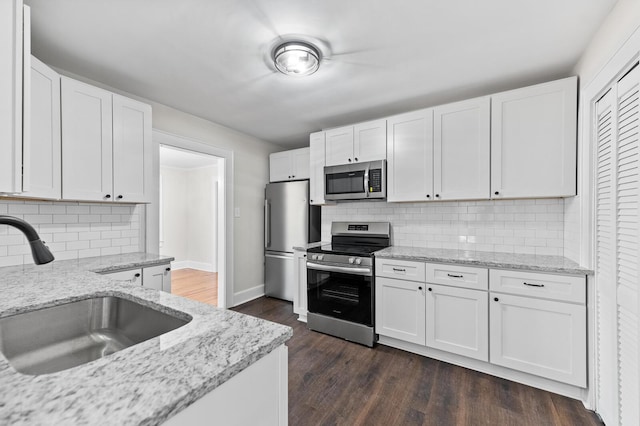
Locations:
210 58
171 157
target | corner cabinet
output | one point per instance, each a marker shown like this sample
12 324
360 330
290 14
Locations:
357 143
106 145
289 165
15 56
533 141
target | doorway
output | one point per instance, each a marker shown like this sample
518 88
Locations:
190 217
189 221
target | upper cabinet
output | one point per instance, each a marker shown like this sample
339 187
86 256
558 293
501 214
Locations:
533 141
43 173
15 56
106 145
358 143
316 163
410 156
461 146
289 165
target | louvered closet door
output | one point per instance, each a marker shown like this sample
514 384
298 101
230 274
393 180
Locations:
618 251
627 246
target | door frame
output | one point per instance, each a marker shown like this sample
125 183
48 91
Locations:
225 220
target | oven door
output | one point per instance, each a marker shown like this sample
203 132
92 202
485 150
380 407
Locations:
340 292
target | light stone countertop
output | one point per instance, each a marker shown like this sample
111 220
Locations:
529 262
309 245
143 384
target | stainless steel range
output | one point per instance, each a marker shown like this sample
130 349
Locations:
340 281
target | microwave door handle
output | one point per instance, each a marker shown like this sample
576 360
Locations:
366 181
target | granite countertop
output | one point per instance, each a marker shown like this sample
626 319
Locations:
144 384
530 262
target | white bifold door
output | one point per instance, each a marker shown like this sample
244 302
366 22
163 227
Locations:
617 196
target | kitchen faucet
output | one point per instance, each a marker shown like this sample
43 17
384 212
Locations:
39 251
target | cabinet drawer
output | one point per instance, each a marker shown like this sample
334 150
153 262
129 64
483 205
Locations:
401 269
132 275
545 286
458 276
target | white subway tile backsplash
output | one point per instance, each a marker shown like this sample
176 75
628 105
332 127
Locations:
510 226
71 230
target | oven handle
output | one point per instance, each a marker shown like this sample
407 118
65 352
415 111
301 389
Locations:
347 270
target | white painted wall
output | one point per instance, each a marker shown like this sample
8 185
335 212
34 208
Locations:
174 213
622 21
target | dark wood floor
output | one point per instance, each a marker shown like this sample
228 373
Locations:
334 382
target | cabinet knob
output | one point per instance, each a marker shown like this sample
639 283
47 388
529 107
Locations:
137 275
428 196
437 195
349 159
496 299
356 158
120 197
420 288
289 177
497 193
107 196
430 289
293 176
168 269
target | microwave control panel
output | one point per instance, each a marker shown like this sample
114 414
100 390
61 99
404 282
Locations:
375 180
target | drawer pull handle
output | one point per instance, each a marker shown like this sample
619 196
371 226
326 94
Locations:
534 285
399 269
455 276
420 288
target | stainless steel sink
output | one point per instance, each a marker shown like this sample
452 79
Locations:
57 338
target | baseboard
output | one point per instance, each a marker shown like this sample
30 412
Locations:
190 264
248 295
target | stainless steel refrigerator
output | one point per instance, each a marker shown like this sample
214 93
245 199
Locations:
289 221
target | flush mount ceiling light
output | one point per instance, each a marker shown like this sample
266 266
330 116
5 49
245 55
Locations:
296 58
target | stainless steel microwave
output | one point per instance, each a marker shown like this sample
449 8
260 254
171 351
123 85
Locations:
357 181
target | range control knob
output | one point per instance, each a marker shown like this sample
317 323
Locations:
358 261
320 256
351 260
314 257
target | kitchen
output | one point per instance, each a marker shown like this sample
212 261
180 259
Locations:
568 221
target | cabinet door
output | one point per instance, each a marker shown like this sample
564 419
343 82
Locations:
316 161
44 172
134 276
461 143
132 145
300 295
458 321
86 142
533 141
339 146
410 156
279 166
157 277
15 53
300 163
400 309
370 141
541 337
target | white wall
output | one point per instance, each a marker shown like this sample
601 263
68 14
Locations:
622 21
189 216
71 230
509 226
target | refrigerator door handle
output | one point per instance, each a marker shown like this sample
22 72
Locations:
267 224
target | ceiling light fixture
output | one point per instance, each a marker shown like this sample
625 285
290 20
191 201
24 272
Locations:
296 58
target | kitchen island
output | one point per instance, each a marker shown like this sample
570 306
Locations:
147 383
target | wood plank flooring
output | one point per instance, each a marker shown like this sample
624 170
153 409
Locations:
334 382
194 284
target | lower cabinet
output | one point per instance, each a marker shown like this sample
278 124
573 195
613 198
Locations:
400 309
542 337
456 321
300 292
156 277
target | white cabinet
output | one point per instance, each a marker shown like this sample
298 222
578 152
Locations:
157 277
316 172
540 325
15 56
289 165
533 141
42 173
300 293
457 321
400 309
410 156
106 145
358 143
461 147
